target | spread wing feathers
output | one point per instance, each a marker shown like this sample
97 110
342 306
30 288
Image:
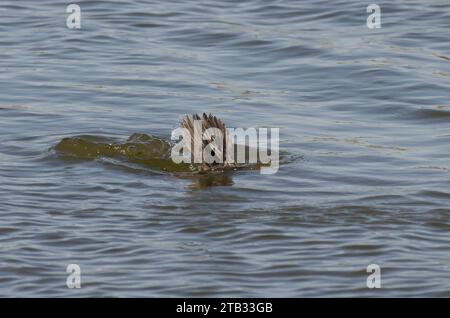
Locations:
207 121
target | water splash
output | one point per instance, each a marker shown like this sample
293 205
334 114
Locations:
150 151
153 154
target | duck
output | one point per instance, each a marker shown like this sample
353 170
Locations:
205 138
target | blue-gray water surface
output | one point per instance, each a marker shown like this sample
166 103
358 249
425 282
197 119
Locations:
364 118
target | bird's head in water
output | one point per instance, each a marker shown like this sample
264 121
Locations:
202 135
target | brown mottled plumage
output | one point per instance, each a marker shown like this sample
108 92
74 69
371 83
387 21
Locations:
207 121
